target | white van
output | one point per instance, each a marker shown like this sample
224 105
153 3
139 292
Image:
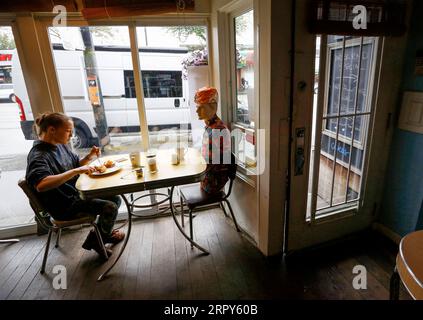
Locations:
6 86
165 90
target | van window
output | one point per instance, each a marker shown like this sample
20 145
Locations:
5 74
156 84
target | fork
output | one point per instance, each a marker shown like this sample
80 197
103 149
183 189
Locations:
98 160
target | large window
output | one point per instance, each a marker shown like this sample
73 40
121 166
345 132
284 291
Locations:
94 67
15 211
174 66
90 64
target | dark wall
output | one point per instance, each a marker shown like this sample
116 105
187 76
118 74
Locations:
402 209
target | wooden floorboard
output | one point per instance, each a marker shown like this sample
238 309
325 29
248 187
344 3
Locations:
159 263
144 268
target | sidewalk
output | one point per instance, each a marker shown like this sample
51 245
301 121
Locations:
14 206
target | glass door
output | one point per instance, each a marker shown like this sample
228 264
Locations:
335 136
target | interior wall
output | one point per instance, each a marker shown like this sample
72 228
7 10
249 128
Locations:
402 208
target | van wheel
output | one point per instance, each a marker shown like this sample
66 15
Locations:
80 139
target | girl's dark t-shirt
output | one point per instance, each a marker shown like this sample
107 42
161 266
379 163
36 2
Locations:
45 159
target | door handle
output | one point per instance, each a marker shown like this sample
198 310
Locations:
176 103
299 151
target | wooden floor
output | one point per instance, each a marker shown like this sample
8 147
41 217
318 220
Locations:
159 264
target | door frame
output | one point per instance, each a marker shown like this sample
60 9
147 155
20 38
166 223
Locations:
390 52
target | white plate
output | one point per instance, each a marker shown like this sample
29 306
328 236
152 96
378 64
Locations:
116 168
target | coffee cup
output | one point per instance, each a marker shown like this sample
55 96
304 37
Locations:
180 152
135 159
175 159
152 165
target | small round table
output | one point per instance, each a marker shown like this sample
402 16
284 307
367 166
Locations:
409 266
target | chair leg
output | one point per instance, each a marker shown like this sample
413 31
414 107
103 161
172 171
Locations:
190 227
182 212
394 285
43 266
223 208
100 240
232 214
59 234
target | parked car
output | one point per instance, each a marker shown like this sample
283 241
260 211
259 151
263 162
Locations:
6 92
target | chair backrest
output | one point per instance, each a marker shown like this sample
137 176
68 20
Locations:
232 173
233 167
40 212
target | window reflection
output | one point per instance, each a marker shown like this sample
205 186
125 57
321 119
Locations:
244 55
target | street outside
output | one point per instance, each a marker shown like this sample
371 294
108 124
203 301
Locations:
13 146
14 206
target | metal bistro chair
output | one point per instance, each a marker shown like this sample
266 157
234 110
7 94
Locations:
193 196
47 222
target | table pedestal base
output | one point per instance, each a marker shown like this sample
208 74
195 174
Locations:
129 208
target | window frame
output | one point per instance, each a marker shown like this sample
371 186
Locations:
234 11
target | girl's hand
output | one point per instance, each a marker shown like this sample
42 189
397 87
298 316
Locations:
95 151
84 169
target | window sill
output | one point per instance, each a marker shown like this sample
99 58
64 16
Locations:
247 175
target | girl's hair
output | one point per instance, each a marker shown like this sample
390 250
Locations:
49 119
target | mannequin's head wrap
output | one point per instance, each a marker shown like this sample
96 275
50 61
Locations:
206 95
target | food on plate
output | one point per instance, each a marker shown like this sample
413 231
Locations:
109 163
100 169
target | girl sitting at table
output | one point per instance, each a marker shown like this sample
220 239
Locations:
52 172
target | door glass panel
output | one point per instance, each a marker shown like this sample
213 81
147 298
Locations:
15 129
